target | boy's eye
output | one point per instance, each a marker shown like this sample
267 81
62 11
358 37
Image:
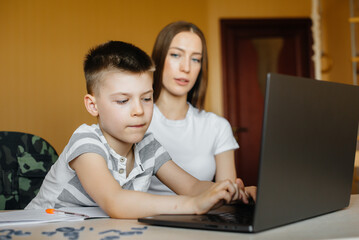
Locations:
121 101
147 99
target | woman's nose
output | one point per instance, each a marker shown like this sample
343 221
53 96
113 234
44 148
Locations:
185 65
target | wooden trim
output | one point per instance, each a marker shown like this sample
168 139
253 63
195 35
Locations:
354 20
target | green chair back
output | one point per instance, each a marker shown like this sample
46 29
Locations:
25 159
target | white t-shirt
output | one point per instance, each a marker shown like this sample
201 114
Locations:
192 143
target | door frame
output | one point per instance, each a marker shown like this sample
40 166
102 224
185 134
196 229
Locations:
297 29
255 28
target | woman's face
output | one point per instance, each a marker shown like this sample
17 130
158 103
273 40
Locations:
182 64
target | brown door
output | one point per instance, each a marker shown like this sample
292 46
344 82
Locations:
250 49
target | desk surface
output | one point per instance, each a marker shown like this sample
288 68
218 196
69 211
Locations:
337 225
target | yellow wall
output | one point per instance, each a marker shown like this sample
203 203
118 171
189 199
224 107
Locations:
42 47
43 43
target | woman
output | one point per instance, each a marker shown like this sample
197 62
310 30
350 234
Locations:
201 143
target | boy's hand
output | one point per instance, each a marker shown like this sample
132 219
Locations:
218 194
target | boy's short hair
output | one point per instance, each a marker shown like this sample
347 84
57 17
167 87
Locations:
114 55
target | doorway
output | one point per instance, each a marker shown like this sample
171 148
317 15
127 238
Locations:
250 49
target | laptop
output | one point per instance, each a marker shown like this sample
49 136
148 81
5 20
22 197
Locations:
308 146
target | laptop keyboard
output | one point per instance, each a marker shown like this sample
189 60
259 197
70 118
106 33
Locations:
239 214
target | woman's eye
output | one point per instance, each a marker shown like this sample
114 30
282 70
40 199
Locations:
197 60
175 55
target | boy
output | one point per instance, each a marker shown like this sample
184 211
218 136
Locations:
104 163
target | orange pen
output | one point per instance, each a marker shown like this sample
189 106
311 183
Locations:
53 211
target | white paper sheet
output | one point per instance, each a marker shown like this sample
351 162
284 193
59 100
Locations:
33 216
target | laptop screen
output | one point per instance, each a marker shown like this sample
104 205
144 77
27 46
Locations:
308 147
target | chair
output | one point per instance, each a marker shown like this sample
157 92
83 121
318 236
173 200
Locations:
24 161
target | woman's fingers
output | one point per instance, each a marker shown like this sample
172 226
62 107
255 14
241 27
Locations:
236 195
252 192
243 196
228 191
240 183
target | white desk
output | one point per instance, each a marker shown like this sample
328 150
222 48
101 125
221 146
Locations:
338 225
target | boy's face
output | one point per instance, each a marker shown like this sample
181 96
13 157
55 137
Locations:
125 105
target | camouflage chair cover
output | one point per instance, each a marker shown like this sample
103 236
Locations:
24 161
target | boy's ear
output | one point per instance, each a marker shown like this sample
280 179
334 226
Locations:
90 104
